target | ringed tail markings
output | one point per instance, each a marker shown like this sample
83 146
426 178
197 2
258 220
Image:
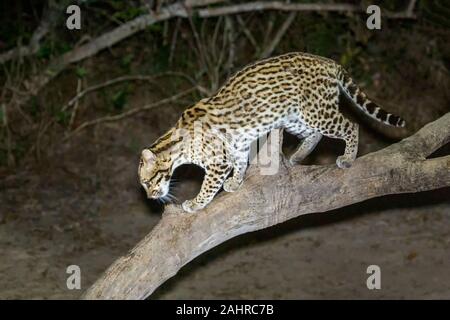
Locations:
352 91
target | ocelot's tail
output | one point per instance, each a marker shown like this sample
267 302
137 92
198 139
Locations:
351 89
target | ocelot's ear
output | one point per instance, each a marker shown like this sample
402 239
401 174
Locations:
148 156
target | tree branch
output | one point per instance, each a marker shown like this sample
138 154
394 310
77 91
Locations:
111 82
130 112
265 201
183 9
50 16
297 7
279 35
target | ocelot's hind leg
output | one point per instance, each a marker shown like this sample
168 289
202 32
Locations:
306 147
351 146
310 141
337 126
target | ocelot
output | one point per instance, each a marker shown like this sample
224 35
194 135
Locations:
296 91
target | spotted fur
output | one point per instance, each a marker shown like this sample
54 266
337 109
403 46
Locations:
298 92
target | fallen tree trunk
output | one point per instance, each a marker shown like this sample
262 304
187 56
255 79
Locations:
265 201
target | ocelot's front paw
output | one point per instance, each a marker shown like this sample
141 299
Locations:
191 206
344 162
231 185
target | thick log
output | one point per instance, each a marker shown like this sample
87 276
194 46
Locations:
264 201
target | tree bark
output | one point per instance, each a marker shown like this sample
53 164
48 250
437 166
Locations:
264 201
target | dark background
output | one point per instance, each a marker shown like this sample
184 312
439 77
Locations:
69 192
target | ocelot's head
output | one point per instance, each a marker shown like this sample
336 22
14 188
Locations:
154 174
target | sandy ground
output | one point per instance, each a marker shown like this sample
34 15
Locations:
85 207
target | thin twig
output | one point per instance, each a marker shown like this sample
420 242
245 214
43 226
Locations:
231 37
219 63
284 6
11 84
277 38
10 156
174 40
130 112
165 34
201 3
411 5
40 135
267 31
110 83
275 5
77 104
213 42
130 78
198 45
247 32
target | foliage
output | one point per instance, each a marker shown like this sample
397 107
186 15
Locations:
119 99
81 72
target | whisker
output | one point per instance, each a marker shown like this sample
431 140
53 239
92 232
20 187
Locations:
174 183
171 198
